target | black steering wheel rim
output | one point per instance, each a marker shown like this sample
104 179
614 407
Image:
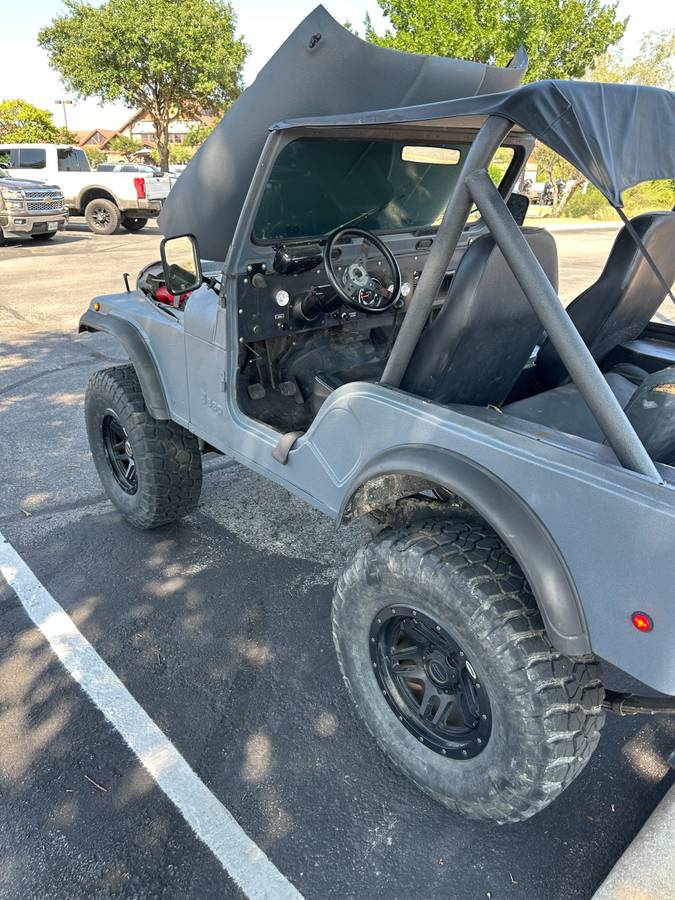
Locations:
336 283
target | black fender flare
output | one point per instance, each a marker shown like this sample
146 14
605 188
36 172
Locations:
139 354
514 521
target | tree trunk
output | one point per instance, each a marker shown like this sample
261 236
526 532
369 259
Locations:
162 132
568 193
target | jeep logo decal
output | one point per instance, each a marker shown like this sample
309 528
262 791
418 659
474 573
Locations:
212 404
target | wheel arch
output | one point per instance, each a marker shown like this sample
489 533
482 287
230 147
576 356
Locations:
95 192
139 355
507 513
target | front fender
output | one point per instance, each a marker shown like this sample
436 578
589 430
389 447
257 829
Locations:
141 358
514 521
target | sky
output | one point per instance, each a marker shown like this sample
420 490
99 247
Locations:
264 23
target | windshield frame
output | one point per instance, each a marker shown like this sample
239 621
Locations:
520 142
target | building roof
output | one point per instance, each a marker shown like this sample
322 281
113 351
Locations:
86 137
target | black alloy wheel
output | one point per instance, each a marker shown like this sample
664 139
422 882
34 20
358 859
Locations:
429 683
101 216
120 453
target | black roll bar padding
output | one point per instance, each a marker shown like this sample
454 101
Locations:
574 353
488 139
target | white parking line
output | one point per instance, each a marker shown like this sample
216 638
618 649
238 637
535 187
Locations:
212 822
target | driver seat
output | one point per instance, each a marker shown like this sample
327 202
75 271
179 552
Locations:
481 340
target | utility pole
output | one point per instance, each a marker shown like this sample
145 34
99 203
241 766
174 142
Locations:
63 104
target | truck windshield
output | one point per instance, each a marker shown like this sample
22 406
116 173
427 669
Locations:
72 159
316 186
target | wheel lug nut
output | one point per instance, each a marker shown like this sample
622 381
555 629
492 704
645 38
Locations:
444 752
484 717
438 628
479 741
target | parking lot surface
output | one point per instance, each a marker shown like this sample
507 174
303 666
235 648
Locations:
220 629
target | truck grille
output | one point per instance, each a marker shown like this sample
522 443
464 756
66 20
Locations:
38 203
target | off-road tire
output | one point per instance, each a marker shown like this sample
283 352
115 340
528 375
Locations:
102 216
546 707
168 460
133 224
45 236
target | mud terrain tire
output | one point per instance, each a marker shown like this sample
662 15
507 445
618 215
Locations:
546 708
167 466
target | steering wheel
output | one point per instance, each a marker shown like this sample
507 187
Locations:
354 284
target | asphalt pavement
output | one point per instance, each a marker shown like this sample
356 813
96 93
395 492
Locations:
219 628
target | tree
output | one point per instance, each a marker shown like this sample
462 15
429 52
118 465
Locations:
23 123
564 37
198 134
180 154
556 168
170 58
653 65
124 146
95 155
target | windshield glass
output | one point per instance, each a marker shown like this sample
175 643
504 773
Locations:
317 186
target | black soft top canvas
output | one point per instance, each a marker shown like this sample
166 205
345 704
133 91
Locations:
618 135
320 69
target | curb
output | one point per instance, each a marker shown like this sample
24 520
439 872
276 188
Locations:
646 870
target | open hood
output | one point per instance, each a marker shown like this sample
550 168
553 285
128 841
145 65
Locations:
321 69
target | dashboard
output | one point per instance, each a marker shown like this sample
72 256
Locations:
286 290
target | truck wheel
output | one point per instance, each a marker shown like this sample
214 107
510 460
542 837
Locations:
45 236
103 216
132 224
151 470
444 652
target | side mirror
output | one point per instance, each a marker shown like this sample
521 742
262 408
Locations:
182 267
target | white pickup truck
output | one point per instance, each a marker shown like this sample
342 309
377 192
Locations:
106 199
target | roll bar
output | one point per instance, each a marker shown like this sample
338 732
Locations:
474 184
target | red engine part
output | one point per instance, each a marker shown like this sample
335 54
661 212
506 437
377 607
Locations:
163 295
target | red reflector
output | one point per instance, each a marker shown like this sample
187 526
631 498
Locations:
642 621
139 184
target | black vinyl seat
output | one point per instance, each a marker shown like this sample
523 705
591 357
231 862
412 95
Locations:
619 305
616 308
478 345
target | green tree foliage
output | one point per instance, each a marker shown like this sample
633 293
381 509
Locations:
563 37
198 134
171 58
94 155
647 197
180 153
124 146
23 123
654 64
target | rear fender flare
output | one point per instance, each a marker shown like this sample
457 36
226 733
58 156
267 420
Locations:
139 354
512 518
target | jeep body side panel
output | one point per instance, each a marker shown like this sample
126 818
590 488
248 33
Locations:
139 326
561 509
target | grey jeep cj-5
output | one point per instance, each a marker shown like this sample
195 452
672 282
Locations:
350 306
